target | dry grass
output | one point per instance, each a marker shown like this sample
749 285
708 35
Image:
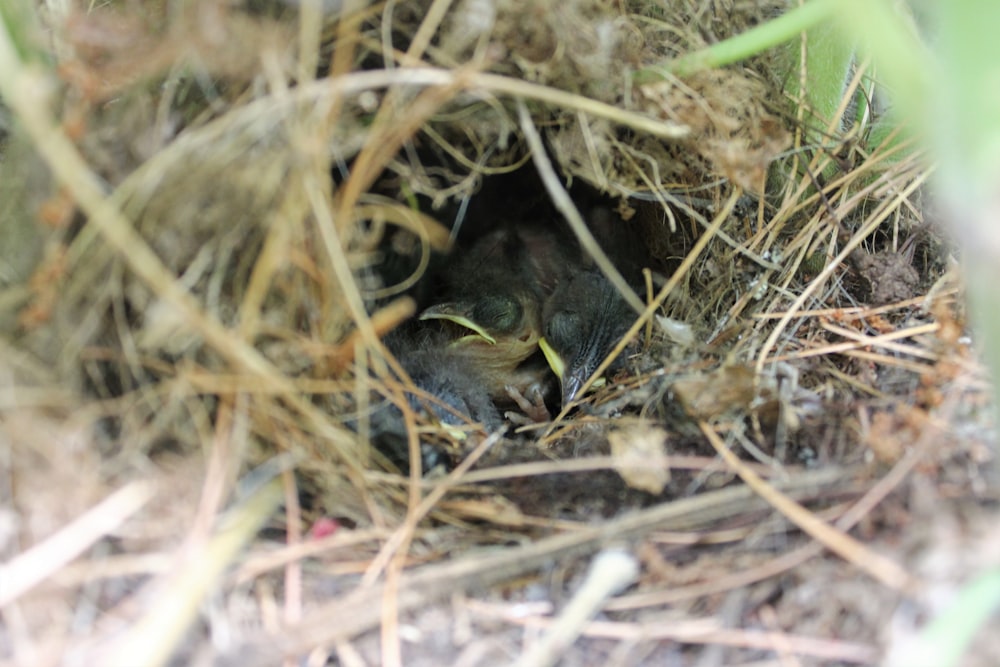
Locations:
195 201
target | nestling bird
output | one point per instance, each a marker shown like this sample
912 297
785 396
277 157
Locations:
585 317
494 293
459 392
455 394
475 350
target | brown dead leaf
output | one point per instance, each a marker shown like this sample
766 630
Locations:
641 457
707 396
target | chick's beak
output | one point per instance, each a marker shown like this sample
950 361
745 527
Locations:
573 375
571 386
556 363
570 379
459 314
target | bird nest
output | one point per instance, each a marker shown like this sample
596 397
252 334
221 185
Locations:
216 453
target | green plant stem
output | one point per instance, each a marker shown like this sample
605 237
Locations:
904 63
965 109
945 639
753 41
962 116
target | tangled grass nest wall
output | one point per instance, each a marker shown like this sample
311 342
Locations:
224 438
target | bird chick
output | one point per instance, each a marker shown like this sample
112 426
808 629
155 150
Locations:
584 319
498 332
494 297
586 316
451 394
458 392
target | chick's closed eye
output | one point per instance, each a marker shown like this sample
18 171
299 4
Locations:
498 313
562 328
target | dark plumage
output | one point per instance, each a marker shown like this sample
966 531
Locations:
515 289
459 392
454 394
585 316
494 293
584 319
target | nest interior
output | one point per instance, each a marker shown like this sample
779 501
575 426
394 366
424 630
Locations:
238 424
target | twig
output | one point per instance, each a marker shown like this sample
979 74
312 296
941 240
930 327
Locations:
610 572
881 568
358 611
155 635
36 564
